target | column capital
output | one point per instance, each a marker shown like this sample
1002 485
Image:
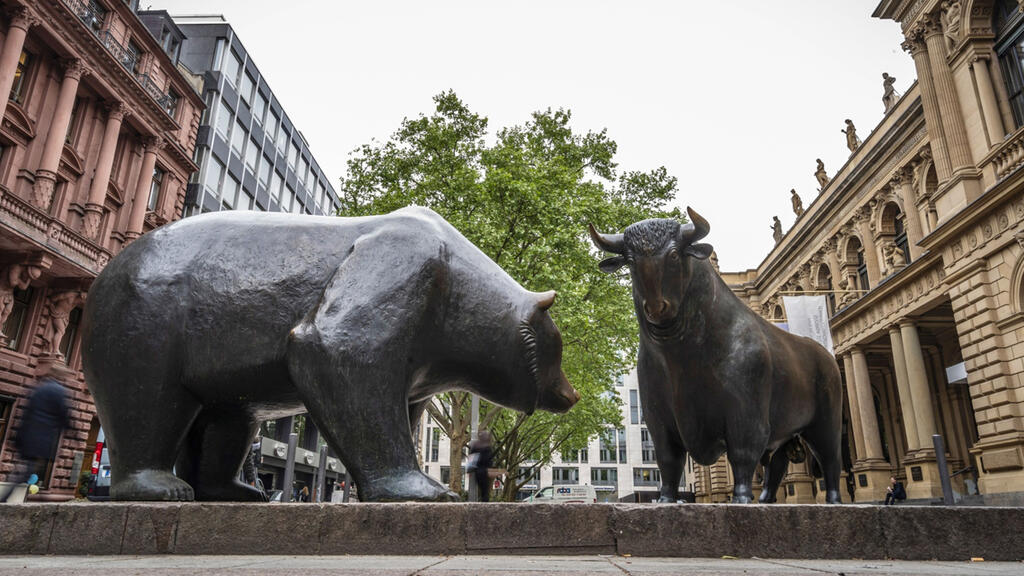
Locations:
902 322
74 68
154 144
914 41
932 24
117 111
23 18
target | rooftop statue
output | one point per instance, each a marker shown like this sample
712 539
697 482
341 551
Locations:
776 229
798 205
200 330
889 94
713 374
821 176
852 141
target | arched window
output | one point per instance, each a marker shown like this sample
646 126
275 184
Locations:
1006 21
862 270
777 313
824 282
901 239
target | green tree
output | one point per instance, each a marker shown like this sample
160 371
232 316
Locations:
525 200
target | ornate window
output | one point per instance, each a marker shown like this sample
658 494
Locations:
15 323
154 189
20 74
1006 21
67 342
901 239
862 270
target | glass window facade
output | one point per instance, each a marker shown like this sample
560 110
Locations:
232 66
224 120
238 138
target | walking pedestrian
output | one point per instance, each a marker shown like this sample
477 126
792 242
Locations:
44 418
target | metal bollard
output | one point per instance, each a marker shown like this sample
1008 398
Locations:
289 468
940 460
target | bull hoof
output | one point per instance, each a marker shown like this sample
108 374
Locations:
741 499
667 500
151 485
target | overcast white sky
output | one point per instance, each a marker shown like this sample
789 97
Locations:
735 98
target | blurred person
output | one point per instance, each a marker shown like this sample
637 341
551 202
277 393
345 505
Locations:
43 420
482 458
895 492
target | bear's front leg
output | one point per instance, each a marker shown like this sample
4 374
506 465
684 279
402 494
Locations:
350 360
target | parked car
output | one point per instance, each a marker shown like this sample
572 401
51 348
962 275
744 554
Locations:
99 483
564 495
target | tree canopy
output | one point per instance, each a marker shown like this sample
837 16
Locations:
524 196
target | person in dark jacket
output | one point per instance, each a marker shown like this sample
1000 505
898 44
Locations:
894 492
44 418
483 460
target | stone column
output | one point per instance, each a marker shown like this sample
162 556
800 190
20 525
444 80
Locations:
949 105
104 164
903 387
21 20
46 174
918 380
989 103
866 406
867 238
903 184
929 102
140 199
851 396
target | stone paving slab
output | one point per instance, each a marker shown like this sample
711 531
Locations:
166 565
410 529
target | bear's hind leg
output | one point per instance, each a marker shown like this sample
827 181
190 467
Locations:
212 459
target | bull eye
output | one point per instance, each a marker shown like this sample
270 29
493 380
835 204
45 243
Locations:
673 255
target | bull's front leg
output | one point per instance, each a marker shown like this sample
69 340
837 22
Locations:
668 449
746 439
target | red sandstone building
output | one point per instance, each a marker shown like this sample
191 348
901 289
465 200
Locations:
96 148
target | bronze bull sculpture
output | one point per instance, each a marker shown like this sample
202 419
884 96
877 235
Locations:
714 376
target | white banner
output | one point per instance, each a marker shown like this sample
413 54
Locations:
808 316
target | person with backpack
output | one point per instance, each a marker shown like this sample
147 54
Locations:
894 492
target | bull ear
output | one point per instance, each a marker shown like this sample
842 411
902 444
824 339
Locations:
700 251
545 299
607 242
612 264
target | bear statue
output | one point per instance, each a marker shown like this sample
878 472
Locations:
200 330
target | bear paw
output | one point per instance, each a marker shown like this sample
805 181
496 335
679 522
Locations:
151 485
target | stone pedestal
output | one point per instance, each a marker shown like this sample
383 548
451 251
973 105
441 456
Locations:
798 489
91 221
42 189
871 478
1000 464
54 365
923 481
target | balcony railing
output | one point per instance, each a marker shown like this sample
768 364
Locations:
92 16
1010 155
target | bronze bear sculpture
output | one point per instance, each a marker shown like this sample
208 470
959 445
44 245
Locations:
714 376
200 330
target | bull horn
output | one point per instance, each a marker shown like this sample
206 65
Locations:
698 228
607 242
545 299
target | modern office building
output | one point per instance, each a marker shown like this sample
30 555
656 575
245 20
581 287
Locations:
96 148
621 466
250 155
919 240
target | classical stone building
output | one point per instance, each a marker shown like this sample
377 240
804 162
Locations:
96 147
919 242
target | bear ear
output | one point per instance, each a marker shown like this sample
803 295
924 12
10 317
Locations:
545 299
609 265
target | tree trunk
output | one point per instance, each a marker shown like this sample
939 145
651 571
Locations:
458 440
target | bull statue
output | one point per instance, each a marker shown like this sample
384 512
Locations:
199 331
714 376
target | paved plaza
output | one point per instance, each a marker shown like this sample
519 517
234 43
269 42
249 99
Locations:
496 565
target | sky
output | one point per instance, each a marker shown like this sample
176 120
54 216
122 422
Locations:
736 99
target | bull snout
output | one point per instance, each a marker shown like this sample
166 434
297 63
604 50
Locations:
657 310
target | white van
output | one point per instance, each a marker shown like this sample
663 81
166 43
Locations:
564 495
